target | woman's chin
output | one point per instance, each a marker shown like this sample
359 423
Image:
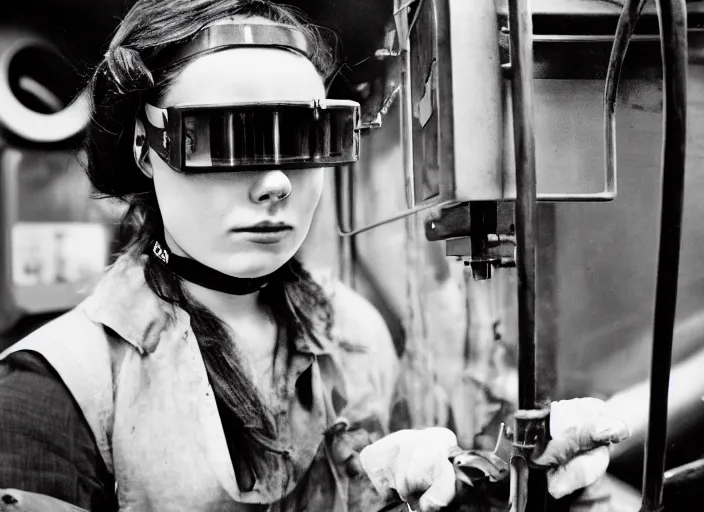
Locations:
252 267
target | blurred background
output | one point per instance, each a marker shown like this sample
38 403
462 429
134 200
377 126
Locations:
456 335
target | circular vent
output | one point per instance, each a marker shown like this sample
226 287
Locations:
40 97
42 80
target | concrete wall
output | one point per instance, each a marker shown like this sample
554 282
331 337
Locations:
607 254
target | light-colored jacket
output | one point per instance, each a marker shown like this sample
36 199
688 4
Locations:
133 365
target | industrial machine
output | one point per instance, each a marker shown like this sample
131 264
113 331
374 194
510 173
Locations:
484 177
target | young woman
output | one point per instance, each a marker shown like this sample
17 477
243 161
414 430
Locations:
209 371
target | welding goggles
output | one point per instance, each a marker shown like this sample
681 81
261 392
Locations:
281 135
251 136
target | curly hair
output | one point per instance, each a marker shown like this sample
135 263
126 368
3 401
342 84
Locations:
121 83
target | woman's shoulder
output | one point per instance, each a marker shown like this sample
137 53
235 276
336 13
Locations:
45 442
367 353
118 296
82 355
72 328
356 322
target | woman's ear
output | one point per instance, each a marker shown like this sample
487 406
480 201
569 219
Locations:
141 149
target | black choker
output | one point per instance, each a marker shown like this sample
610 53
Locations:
202 275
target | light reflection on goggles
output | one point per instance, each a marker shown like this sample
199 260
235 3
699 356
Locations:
196 139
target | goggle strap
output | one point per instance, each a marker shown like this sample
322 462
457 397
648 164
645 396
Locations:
236 35
158 140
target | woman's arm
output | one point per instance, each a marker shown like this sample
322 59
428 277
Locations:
46 446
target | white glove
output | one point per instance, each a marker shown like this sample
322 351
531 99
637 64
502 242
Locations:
415 463
578 453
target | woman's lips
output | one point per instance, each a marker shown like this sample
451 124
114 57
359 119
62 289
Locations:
265 232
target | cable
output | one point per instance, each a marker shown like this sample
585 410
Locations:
395 217
624 30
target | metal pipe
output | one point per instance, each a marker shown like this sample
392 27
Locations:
624 32
406 107
344 192
403 29
343 232
9 159
685 474
528 486
526 215
672 15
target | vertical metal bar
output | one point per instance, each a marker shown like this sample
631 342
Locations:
344 192
406 106
526 214
672 15
401 10
528 486
9 192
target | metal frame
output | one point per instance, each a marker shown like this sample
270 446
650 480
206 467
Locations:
672 15
531 428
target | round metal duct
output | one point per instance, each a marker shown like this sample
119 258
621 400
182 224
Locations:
41 101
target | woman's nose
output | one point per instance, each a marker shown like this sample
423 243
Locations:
272 186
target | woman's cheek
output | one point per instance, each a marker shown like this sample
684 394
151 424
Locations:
188 207
310 184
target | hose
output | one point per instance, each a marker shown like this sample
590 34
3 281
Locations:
624 30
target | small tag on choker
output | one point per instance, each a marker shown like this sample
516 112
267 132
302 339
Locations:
202 275
161 252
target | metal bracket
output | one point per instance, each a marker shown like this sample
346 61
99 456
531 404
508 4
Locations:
481 233
531 432
530 435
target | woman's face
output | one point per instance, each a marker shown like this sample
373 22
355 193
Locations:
213 217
